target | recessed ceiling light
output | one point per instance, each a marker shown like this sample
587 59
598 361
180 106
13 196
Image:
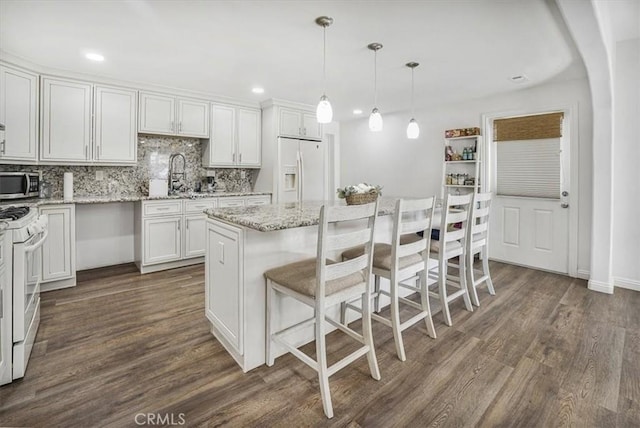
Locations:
257 90
519 78
357 111
94 56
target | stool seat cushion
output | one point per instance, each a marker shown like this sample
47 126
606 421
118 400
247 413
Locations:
382 254
301 277
452 245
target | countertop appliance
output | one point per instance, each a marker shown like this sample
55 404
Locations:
26 232
302 170
15 185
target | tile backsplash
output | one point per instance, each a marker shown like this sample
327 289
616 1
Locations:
153 162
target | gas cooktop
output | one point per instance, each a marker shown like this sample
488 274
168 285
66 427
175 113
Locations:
13 213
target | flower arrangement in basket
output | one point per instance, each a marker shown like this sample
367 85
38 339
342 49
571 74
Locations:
359 194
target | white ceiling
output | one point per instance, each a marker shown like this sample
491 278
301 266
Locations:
466 48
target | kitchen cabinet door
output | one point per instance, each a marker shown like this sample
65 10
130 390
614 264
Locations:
58 251
223 297
310 126
193 118
65 121
162 242
222 142
194 237
157 114
290 123
19 114
249 138
116 139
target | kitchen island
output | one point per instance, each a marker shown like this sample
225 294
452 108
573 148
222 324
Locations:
244 242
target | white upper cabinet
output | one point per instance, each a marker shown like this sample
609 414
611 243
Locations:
235 138
65 120
249 137
157 114
193 118
19 114
167 115
115 125
299 124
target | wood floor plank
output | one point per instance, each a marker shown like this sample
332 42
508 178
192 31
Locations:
544 351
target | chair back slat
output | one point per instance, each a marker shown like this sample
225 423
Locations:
457 216
338 213
347 267
349 239
411 216
479 217
412 248
415 226
479 213
479 228
454 235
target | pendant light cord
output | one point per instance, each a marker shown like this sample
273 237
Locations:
413 110
324 60
375 78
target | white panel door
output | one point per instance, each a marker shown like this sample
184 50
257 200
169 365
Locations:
223 297
116 139
66 120
162 241
19 114
249 134
310 126
193 118
222 143
157 114
194 236
314 178
58 250
290 123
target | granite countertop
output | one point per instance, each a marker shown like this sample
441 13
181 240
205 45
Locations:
267 218
99 199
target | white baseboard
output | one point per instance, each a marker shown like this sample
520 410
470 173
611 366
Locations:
600 286
583 274
627 283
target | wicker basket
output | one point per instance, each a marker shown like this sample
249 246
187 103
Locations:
361 198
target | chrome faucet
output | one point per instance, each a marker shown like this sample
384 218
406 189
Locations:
176 177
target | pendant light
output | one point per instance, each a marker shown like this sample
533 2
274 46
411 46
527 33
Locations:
324 112
375 119
413 130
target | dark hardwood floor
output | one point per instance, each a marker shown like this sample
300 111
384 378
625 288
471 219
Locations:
543 352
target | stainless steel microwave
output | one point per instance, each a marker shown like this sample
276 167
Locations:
14 185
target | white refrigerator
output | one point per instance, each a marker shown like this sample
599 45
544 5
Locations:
302 174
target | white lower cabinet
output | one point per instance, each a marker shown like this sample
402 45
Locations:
224 296
162 241
194 242
59 249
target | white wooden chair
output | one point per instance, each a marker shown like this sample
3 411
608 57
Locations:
406 257
452 244
321 283
479 243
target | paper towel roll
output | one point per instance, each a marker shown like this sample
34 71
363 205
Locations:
68 186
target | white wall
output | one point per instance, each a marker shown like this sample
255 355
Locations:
104 234
626 173
414 167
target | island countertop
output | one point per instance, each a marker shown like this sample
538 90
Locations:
267 218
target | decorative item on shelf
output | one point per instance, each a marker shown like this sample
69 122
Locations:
375 119
448 153
359 194
413 130
324 112
461 132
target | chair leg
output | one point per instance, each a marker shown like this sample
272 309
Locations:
367 333
442 291
271 294
321 355
424 299
395 318
485 271
462 274
377 291
343 313
471 281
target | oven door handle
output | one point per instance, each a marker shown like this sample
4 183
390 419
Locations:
33 247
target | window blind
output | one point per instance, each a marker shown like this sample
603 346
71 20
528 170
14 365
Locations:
528 155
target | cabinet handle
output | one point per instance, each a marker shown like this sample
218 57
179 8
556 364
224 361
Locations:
98 151
180 127
86 152
3 144
178 225
240 161
1 304
162 208
304 131
172 126
234 158
187 224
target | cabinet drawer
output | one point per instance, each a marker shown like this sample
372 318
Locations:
258 200
162 208
199 205
230 202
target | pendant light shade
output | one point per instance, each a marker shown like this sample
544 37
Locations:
324 112
413 130
375 119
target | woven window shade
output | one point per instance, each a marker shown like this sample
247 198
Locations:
536 127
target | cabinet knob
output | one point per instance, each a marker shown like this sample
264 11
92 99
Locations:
2 146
